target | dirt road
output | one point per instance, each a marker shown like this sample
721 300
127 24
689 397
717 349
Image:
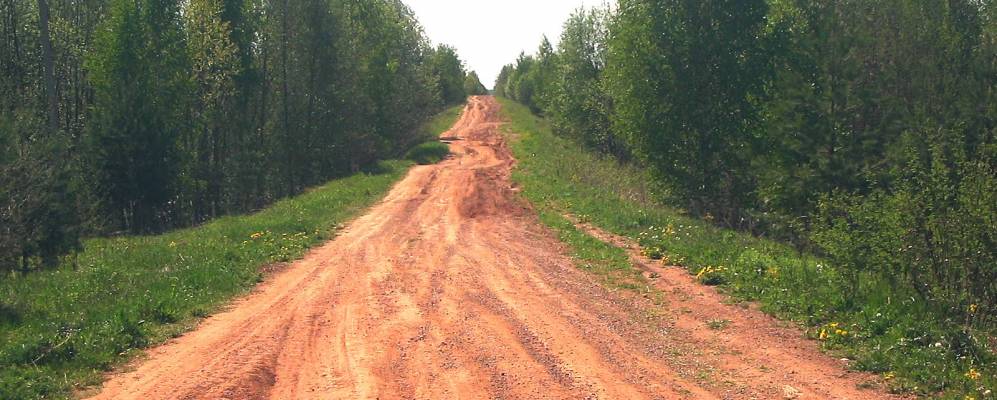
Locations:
449 288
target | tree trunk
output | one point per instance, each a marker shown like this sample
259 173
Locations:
13 67
48 61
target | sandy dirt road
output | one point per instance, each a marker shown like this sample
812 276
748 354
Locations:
449 288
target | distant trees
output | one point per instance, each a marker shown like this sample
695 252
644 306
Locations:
578 105
473 85
529 79
862 129
450 74
504 80
145 115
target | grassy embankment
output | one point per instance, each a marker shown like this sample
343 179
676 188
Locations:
61 329
889 336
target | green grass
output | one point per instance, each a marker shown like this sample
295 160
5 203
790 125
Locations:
894 337
431 150
608 262
441 123
61 329
428 153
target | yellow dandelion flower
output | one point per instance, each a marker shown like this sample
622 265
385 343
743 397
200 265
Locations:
973 374
670 230
973 308
823 334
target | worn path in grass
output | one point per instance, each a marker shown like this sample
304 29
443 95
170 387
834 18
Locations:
451 288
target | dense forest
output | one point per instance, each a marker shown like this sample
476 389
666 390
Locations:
138 116
861 130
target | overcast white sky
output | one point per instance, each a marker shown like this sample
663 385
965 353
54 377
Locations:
490 33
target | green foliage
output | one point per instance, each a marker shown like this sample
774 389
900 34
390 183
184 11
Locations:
528 80
690 116
888 330
502 81
432 150
215 66
139 110
934 233
449 72
38 219
441 123
473 86
578 106
428 153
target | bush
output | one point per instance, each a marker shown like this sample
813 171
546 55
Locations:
932 236
428 153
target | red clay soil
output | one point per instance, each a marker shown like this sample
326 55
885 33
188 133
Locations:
450 288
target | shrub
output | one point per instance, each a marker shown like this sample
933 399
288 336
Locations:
428 153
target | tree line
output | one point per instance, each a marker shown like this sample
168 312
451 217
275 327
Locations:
863 130
139 116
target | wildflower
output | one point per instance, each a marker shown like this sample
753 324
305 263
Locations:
833 325
973 308
823 334
973 374
841 332
889 376
173 244
256 235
